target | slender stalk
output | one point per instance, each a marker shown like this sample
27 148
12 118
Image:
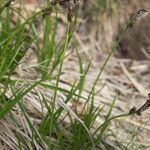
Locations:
110 54
57 82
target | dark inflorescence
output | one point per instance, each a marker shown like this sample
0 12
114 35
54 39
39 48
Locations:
69 4
142 108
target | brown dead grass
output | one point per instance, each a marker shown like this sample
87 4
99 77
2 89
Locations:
129 78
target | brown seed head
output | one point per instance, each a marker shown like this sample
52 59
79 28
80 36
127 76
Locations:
138 15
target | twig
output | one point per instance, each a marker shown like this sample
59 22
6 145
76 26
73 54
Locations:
137 85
